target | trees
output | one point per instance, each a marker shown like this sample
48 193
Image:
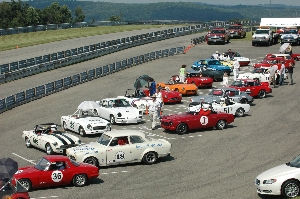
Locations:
79 15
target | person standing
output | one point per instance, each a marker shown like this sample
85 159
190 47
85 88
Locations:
159 98
273 70
291 70
225 79
230 54
152 108
182 73
152 88
282 74
216 55
236 68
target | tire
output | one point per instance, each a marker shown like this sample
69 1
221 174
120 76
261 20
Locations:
81 131
182 128
28 143
244 101
92 161
65 126
112 119
79 180
221 124
240 112
208 43
49 149
26 183
150 158
262 94
290 189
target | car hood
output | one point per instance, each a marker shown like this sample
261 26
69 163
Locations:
175 116
216 34
219 66
170 93
129 109
93 120
278 171
25 171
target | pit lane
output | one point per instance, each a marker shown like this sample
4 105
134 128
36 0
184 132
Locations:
211 164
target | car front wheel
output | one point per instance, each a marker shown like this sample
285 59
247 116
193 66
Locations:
81 131
79 180
244 101
150 158
182 128
290 189
221 124
28 143
26 183
262 94
65 126
112 119
49 149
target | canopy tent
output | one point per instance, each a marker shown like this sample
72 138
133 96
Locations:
280 22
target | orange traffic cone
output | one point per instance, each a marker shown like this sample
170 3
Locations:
146 112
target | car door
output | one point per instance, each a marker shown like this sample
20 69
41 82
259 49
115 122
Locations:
52 176
34 139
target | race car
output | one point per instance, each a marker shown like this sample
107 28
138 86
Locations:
183 122
252 87
85 122
168 96
121 147
195 77
48 138
184 89
118 110
225 106
211 64
209 72
138 99
55 170
243 61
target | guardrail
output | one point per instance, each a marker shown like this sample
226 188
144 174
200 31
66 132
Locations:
24 68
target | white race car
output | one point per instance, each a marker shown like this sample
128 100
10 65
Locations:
85 122
46 137
137 99
118 110
261 74
120 147
226 106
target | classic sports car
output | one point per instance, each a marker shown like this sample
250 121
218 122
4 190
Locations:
118 110
236 30
280 180
211 64
85 122
190 120
266 63
252 87
120 147
49 139
218 93
138 99
184 89
234 108
195 77
217 35
212 73
260 74
169 96
55 170
243 61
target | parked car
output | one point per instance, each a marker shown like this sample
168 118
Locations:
217 35
212 73
195 77
184 89
49 139
191 120
117 110
243 61
280 180
120 147
252 87
138 99
48 172
168 95
212 64
236 31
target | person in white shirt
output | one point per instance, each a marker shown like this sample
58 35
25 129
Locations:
216 55
159 98
273 71
282 73
152 109
236 68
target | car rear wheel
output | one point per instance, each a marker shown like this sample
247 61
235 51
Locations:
81 131
290 189
65 126
112 119
49 149
150 158
239 112
262 94
92 161
182 128
26 183
79 180
221 124
28 143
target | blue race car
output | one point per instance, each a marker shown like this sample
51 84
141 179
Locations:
211 64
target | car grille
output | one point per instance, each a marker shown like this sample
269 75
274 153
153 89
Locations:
165 123
174 98
99 127
257 181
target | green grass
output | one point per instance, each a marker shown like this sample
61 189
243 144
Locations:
34 38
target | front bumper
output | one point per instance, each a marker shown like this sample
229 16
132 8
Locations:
167 126
268 189
216 40
128 120
172 100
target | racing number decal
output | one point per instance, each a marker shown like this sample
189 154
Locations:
204 120
226 110
72 125
120 155
57 176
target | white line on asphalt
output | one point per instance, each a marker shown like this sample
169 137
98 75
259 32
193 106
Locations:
31 161
45 197
114 172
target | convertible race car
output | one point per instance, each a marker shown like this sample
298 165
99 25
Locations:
195 77
184 89
252 87
118 110
138 99
46 137
211 64
190 120
243 61
120 147
208 72
85 122
55 170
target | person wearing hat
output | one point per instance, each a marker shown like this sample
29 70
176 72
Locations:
152 108
182 73
273 70
236 68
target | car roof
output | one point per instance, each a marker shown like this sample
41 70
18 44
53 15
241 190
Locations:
53 158
118 133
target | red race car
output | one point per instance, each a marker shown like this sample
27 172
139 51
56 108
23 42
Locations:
266 62
55 170
195 77
190 120
252 87
168 95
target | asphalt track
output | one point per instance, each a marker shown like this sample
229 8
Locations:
206 164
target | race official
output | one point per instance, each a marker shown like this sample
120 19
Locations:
236 68
152 108
182 73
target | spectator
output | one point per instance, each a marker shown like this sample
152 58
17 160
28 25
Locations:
152 88
236 68
222 57
230 54
160 100
291 70
152 108
225 79
282 73
182 73
216 55
273 70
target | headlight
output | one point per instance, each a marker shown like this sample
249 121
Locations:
271 181
119 114
165 96
54 143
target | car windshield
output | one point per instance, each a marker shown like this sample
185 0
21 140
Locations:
120 103
104 139
262 32
237 83
214 62
234 27
290 32
237 54
42 164
74 163
295 162
216 92
217 31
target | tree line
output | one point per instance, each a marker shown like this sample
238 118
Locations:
19 14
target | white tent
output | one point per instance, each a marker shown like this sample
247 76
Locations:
280 22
